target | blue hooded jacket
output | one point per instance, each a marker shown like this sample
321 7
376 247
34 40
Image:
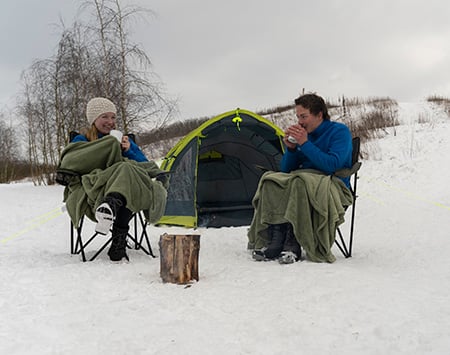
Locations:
328 149
134 153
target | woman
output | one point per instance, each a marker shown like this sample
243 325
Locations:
289 206
115 178
101 116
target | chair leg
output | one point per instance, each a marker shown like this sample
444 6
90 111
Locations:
136 244
77 245
148 244
101 249
72 238
352 225
138 240
342 245
347 251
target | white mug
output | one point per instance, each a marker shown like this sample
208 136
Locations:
117 134
291 139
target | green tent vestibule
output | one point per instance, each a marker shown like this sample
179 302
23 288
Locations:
215 170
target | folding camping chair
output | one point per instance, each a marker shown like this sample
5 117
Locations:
353 174
78 246
138 236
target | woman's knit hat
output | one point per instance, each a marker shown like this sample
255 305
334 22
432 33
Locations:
98 106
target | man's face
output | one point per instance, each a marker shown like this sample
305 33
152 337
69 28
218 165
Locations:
306 119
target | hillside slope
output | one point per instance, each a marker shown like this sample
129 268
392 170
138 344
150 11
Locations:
391 297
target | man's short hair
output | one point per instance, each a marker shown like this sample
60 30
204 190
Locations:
314 103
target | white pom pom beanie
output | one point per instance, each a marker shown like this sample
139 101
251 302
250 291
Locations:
98 106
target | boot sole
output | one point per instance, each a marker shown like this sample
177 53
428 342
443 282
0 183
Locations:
105 218
288 258
258 255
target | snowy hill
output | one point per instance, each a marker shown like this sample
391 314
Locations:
391 297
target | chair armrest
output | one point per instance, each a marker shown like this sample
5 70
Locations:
343 173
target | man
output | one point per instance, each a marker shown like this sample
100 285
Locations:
304 204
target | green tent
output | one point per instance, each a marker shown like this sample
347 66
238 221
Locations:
215 170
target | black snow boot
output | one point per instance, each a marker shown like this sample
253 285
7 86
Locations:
292 251
277 235
118 249
115 200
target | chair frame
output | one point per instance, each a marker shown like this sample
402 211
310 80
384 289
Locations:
78 246
341 242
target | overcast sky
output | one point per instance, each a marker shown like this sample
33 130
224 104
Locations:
254 54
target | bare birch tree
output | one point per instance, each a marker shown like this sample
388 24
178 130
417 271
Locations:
9 152
93 59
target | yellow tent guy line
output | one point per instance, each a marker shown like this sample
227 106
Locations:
36 222
410 194
371 197
38 218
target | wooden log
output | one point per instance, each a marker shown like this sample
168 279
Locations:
179 257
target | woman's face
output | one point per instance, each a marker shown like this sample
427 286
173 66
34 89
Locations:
105 122
307 120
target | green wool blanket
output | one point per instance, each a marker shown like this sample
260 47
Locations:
101 169
312 202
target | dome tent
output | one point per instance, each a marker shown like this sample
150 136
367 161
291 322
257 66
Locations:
215 170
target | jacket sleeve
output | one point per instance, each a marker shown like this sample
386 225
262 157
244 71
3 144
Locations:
135 153
335 158
291 160
79 138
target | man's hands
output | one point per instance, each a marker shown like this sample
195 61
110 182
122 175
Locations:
298 133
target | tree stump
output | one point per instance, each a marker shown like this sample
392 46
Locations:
179 257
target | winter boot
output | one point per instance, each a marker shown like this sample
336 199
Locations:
106 212
277 235
118 249
292 251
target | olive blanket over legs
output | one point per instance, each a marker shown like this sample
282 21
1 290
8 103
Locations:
312 202
103 170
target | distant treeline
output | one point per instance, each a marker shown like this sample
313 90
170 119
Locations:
367 118
181 128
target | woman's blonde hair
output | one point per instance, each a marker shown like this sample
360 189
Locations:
90 133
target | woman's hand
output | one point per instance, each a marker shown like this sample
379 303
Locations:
125 145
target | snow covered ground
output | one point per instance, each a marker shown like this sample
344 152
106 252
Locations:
391 297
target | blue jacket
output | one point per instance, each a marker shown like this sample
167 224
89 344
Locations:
328 149
134 153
